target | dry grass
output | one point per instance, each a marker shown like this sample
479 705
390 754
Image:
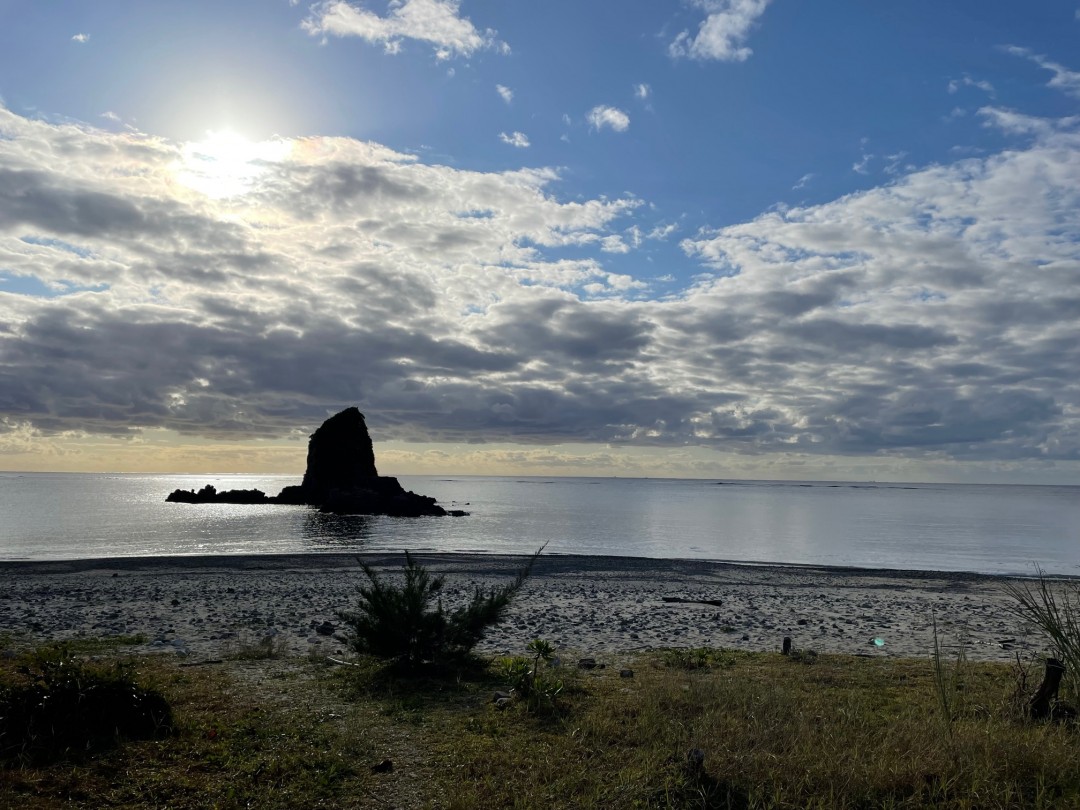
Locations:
827 732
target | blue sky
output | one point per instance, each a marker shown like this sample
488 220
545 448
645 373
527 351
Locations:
710 238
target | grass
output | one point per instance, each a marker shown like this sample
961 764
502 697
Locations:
845 732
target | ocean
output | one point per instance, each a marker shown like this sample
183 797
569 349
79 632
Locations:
987 529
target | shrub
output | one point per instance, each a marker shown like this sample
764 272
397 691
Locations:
530 681
1055 609
400 623
57 706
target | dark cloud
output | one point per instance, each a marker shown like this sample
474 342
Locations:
874 325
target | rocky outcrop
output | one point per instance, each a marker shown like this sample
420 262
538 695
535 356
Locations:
209 494
341 477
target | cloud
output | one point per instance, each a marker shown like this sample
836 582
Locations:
723 33
81 38
518 139
505 93
604 116
642 91
909 301
931 318
1068 81
804 181
966 81
433 21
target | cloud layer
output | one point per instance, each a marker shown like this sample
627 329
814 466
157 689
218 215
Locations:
934 317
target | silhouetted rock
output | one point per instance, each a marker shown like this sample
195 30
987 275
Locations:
209 494
341 477
340 457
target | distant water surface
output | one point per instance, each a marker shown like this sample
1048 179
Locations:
989 529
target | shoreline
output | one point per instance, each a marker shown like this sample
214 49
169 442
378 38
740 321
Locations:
347 559
208 606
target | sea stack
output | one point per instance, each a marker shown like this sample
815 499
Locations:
341 477
339 456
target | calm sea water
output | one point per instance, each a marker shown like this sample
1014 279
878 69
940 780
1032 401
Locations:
991 529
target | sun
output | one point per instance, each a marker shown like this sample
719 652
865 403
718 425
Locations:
227 164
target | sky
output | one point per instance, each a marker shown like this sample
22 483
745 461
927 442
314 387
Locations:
711 238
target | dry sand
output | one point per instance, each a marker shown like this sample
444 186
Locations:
205 607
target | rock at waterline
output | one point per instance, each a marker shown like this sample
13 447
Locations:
341 478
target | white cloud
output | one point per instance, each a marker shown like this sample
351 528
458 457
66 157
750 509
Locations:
955 85
614 244
433 21
662 232
1015 123
804 181
862 165
1068 81
604 116
642 91
81 38
723 33
505 93
518 139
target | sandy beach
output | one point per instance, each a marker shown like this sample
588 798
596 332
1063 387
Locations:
207 607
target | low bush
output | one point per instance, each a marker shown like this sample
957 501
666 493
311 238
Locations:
54 705
408 624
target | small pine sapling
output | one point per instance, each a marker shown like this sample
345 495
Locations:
409 624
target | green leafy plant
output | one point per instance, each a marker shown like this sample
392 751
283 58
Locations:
408 623
57 706
532 681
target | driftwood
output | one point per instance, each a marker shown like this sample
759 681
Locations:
713 602
1042 705
341 663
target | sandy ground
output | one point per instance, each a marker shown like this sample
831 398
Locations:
206 607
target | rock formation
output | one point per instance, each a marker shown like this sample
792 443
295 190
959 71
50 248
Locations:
341 477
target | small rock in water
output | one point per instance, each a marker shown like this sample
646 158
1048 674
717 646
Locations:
325 629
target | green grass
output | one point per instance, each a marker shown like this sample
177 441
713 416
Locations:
844 732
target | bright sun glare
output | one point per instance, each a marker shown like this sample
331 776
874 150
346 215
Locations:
226 164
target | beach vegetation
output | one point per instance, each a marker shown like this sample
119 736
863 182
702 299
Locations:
748 730
407 623
948 679
268 645
1052 607
691 658
531 679
56 705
